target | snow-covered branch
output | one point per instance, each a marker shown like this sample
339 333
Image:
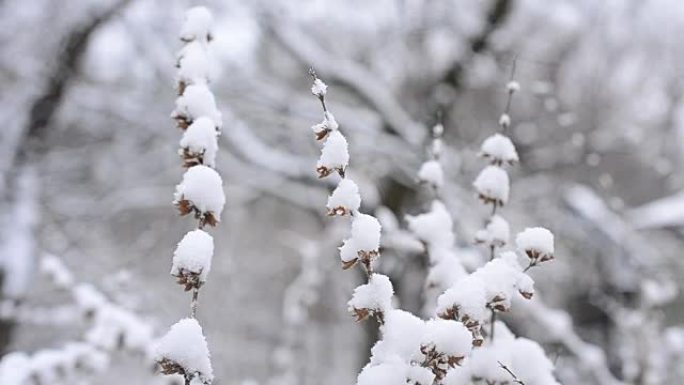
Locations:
183 349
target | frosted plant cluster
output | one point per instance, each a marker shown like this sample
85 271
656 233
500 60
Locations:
434 228
192 258
499 149
201 193
449 347
183 349
492 185
334 156
345 199
495 233
477 298
431 173
198 145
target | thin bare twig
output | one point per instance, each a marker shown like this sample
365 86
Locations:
515 378
194 303
509 99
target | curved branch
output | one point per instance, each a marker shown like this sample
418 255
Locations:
353 75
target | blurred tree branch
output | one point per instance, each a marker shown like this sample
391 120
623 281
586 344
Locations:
44 106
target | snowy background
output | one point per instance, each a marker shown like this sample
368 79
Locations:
88 165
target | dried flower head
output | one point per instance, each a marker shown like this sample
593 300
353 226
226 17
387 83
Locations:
536 243
201 193
492 185
499 149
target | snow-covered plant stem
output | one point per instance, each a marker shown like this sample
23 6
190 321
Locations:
183 349
434 230
364 245
491 288
492 183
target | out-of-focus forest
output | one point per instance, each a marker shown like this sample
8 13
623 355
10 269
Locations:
88 165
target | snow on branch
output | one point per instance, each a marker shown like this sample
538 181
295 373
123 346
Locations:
183 350
373 298
474 299
192 259
201 193
199 143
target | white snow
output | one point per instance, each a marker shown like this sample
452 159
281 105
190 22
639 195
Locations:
114 325
438 130
197 24
513 86
492 184
184 344
431 173
383 374
524 357
45 366
82 355
448 337
15 368
345 199
447 270
658 292
330 121
193 255
348 251
88 298
536 241
334 156
499 149
328 124
54 268
366 233
433 227
466 299
395 371
436 148
200 140
484 363
530 363
402 333
504 120
499 278
419 375
319 88
196 64
203 187
495 233
492 285
458 376
525 285
197 101
375 296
